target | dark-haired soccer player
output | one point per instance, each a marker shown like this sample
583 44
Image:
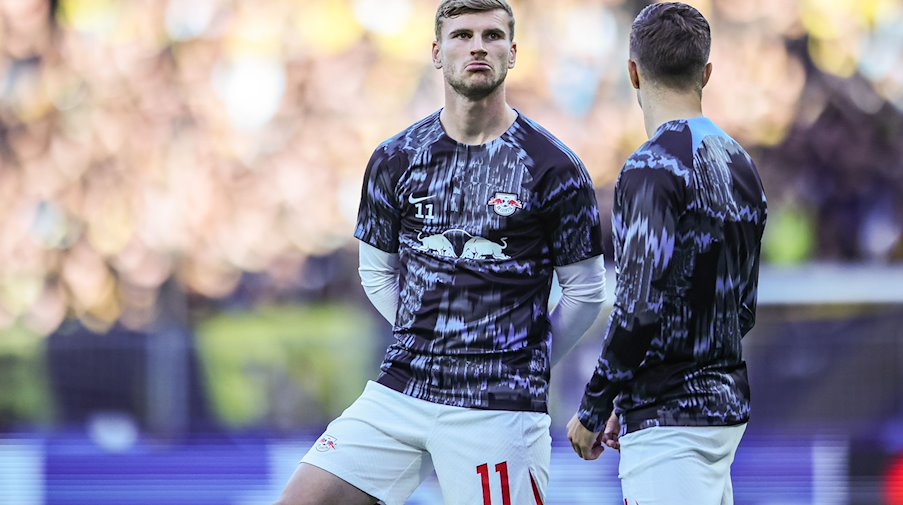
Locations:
464 217
689 212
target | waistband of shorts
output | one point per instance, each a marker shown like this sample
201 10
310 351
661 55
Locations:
436 396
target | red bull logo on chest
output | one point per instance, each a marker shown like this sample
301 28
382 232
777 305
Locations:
505 204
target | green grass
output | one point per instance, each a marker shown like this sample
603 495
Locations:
286 366
24 392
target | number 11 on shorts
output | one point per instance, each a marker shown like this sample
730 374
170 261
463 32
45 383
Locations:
502 470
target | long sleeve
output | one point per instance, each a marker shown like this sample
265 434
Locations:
582 295
647 203
379 278
749 297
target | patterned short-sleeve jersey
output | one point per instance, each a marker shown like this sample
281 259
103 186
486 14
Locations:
478 230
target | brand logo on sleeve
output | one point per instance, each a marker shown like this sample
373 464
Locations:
327 443
505 204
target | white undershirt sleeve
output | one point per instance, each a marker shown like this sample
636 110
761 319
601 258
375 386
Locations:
379 278
582 294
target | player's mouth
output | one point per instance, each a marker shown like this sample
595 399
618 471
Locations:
477 66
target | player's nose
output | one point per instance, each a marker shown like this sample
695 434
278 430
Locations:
476 46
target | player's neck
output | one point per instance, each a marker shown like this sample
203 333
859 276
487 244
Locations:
476 122
661 106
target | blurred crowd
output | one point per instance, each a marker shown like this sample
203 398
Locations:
209 142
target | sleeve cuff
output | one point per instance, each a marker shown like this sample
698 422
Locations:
594 411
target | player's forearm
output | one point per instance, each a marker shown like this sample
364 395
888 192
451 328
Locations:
597 404
385 299
749 300
379 278
628 339
582 295
570 320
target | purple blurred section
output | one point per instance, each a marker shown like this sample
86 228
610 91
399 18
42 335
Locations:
251 470
205 471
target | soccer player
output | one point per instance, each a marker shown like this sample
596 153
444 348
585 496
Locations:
464 217
689 212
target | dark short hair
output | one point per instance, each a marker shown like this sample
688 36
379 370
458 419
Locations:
670 42
454 8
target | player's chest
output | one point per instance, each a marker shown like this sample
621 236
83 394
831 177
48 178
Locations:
470 193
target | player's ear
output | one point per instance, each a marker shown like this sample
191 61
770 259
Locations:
633 73
706 73
437 55
512 55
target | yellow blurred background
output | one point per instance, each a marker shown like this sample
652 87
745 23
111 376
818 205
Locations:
148 140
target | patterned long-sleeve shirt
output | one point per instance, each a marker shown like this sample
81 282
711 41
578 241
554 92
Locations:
688 218
478 230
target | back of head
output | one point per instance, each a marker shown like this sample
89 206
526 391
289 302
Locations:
670 42
452 8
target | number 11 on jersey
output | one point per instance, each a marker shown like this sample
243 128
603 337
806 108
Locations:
429 210
502 470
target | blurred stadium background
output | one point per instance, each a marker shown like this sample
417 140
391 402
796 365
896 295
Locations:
180 312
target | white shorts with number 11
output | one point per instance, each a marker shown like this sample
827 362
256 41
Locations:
386 443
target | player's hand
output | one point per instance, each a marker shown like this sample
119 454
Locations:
611 433
586 444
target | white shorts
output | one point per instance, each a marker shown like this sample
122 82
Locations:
386 443
677 465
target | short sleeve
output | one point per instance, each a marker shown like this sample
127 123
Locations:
571 215
379 217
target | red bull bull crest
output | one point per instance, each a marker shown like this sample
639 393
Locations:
326 443
505 204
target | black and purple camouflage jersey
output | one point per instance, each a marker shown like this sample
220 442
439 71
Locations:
478 230
689 212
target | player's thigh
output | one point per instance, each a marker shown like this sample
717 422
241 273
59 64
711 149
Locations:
377 445
310 485
673 480
727 498
492 457
665 466
735 434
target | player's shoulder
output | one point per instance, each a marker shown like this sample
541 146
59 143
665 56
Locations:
669 152
685 138
709 141
406 143
543 144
